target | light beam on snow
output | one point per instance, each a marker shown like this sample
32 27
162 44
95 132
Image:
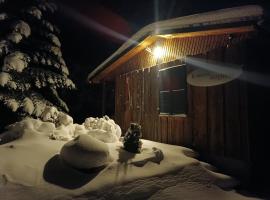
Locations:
229 69
93 25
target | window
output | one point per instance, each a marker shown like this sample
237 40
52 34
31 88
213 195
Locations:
172 90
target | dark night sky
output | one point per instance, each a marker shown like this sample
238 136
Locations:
93 29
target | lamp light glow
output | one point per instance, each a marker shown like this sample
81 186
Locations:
158 52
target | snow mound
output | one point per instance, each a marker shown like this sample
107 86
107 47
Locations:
85 152
104 129
16 61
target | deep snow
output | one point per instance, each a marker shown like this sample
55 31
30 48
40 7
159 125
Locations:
31 168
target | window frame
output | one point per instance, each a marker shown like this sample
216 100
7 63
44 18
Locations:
183 114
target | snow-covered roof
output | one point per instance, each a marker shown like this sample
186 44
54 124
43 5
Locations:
219 17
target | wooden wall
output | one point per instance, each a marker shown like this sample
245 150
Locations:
216 121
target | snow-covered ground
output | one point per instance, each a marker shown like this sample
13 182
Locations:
33 167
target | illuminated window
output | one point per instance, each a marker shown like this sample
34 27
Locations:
172 90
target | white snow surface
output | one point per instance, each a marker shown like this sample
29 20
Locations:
85 152
31 168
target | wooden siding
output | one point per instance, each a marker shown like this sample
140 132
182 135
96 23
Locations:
216 121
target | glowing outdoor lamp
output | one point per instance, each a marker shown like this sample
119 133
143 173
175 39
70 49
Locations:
158 52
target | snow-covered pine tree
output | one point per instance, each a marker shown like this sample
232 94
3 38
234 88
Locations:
32 70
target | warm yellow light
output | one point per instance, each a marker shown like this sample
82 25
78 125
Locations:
158 52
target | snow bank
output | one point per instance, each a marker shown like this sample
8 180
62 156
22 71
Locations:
35 166
85 152
25 159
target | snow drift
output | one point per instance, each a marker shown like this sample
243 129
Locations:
34 167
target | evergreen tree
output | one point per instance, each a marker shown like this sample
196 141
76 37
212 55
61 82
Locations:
32 70
131 141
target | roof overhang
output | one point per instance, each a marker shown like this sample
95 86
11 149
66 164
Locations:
230 20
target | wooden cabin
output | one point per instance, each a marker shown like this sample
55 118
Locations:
184 80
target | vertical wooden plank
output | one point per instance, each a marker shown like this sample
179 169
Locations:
117 99
215 120
187 132
122 103
144 132
188 122
127 116
235 138
154 101
133 92
140 96
164 128
170 133
178 131
133 96
200 117
245 153
146 103
232 125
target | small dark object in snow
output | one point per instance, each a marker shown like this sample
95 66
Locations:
131 141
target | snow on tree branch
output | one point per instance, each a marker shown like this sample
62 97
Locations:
16 61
